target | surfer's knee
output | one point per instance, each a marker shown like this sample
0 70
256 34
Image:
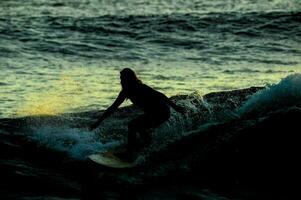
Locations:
133 126
137 124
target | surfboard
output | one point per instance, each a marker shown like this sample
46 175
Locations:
108 159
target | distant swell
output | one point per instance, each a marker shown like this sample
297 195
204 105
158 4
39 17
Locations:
123 33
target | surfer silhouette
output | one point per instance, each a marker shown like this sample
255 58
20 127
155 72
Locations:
156 107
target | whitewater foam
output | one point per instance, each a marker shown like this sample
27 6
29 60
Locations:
78 143
287 93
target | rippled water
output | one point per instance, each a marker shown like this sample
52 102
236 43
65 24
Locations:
63 56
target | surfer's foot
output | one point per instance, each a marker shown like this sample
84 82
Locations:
146 143
146 139
126 155
120 149
143 145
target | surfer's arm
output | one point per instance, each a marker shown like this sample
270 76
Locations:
119 100
177 108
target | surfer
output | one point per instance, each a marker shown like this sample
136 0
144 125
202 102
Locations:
154 104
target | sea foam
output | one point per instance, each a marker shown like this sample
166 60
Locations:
78 143
287 93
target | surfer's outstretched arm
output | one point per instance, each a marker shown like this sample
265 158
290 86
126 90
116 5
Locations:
177 108
119 100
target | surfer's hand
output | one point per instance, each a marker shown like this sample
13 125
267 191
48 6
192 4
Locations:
97 123
93 126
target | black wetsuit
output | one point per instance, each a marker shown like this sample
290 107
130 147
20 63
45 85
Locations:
156 107
156 111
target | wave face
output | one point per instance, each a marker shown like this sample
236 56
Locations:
284 95
214 140
67 133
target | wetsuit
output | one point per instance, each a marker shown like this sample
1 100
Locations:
156 111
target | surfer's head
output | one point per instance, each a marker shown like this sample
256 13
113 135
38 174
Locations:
128 78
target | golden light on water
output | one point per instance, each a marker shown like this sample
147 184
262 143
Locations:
95 88
62 97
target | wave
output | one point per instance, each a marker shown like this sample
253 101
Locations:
67 133
222 137
285 94
77 143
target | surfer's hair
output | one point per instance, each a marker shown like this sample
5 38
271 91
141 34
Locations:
128 78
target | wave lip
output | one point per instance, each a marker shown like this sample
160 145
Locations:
285 94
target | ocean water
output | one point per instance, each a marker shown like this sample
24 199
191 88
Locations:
65 56
212 125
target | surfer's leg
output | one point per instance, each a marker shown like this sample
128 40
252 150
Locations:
144 123
140 125
134 127
132 142
146 137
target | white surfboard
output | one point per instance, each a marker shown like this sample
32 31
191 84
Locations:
110 160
